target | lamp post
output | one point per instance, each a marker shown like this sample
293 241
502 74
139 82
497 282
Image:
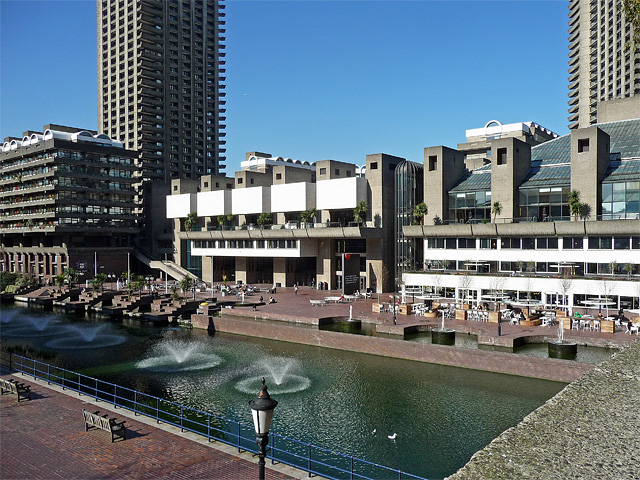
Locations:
262 410
395 286
111 277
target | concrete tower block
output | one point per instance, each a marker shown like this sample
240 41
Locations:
510 162
590 149
443 168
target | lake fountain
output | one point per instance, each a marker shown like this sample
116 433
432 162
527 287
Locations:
179 356
562 348
86 337
279 374
363 392
443 336
17 325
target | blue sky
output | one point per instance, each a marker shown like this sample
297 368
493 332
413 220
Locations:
320 79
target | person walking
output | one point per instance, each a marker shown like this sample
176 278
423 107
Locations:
295 289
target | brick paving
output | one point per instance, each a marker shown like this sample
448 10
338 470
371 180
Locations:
44 438
297 308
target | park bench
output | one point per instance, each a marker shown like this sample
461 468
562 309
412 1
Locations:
317 303
103 423
12 386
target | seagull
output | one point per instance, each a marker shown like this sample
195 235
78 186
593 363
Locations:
375 431
393 437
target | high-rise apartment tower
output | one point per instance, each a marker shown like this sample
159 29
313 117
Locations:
160 83
601 68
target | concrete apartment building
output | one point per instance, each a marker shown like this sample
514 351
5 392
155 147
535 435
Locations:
534 248
66 201
288 249
161 93
601 68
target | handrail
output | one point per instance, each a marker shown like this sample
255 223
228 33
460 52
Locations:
301 455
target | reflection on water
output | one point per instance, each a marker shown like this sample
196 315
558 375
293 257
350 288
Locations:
333 399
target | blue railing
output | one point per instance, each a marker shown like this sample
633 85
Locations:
304 456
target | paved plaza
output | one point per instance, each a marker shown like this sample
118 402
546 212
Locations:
44 438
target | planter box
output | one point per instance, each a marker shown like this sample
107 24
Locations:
461 314
531 322
405 309
375 308
566 322
430 314
607 326
495 317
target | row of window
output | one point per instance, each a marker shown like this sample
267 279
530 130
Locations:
245 244
496 266
541 243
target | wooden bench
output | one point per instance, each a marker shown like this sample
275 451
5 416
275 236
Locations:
103 423
12 386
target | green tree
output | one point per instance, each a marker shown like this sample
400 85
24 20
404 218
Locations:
71 275
308 215
576 207
98 281
419 212
6 279
59 280
191 221
264 219
632 15
138 284
174 293
496 209
360 212
186 284
629 269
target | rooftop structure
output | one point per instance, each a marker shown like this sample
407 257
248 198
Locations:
477 148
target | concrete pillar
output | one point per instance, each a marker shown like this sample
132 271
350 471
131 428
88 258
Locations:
325 265
280 271
241 269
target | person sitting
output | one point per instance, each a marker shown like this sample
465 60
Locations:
600 317
271 300
254 308
261 299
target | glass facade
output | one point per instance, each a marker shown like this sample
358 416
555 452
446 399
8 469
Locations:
409 191
465 206
549 203
620 200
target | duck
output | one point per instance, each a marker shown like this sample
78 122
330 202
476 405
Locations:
393 437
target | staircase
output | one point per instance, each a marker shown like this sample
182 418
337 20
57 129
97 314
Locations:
172 269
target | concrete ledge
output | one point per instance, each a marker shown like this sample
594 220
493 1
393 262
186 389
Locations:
588 430
507 363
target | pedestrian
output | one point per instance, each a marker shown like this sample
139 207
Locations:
295 289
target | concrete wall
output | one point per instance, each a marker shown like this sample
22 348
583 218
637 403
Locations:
508 363
443 168
588 165
588 430
508 175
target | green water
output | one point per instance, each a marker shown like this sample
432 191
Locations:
333 399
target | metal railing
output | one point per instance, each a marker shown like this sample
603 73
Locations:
304 456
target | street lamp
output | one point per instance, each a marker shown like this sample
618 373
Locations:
111 277
395 287
262 410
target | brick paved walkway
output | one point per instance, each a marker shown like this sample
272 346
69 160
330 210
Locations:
44 438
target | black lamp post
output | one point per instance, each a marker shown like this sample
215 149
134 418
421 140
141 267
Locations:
262 409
